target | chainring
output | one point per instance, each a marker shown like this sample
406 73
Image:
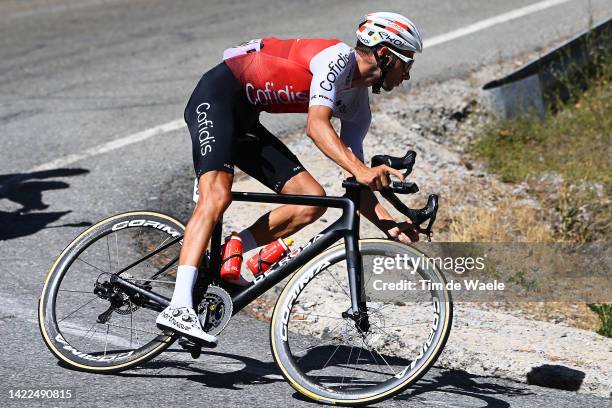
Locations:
215 310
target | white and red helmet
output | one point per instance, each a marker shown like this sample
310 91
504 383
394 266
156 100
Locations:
390 29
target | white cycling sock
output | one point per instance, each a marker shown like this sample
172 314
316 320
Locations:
248 241
185 280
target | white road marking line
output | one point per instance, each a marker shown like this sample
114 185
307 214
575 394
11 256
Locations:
179 123
489 22
112 145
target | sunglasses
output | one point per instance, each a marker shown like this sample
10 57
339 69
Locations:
406 61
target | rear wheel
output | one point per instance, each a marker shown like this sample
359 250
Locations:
92 324
327 356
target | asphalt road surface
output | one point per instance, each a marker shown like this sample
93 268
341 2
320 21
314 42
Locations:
75 75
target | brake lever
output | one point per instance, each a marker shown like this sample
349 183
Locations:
417 217
399 163
433 201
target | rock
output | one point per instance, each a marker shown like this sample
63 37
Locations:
468 165
556 376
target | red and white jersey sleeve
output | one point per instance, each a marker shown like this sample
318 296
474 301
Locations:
281 76
332 75
332 71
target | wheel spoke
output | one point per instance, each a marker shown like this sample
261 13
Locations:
106 338
131 323
110 264
351 362
338 283
97 324
134 329
76 310
93 266
324 316
117 247
89 292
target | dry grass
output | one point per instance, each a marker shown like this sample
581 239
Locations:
508 220
507 223
573 314
565 159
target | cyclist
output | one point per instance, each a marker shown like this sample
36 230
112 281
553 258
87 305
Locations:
324 78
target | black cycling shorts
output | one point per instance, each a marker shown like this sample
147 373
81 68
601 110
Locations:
225 131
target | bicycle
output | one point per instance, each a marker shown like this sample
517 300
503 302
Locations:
335 340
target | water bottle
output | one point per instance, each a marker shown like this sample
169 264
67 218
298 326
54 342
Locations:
269 255
231 257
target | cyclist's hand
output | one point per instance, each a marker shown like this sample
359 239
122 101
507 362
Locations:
377 177
405 232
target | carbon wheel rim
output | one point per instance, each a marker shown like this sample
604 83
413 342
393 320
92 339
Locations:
66 331
315 373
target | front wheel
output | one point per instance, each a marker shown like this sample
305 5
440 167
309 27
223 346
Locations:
327 356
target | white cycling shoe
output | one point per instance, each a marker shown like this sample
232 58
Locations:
184 320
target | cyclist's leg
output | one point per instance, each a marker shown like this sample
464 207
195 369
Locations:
211 116
289 219
215 196
268 160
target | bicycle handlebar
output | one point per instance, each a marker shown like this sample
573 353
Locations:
399 187
416 216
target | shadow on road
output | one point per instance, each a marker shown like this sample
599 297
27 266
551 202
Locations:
252 371
26 190
459 382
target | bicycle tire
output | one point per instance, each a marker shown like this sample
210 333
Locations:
56 340
305 373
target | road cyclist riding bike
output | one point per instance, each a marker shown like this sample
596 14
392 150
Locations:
130 285
321 77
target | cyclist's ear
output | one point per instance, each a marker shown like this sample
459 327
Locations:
383 51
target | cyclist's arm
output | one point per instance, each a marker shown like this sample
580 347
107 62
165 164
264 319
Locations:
374 211
352 134
327 74
322 133
326 139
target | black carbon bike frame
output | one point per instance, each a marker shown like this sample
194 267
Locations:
345 227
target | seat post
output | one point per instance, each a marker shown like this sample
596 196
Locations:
215 247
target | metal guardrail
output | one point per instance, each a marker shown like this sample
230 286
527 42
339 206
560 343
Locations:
542 83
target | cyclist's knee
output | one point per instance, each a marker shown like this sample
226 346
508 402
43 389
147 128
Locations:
311 214
215 196
315 189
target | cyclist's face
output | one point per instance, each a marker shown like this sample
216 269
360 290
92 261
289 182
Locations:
399 71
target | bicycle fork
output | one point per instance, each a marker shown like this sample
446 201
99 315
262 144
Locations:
358 311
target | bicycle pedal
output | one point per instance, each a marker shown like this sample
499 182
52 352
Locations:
186 343
195 349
